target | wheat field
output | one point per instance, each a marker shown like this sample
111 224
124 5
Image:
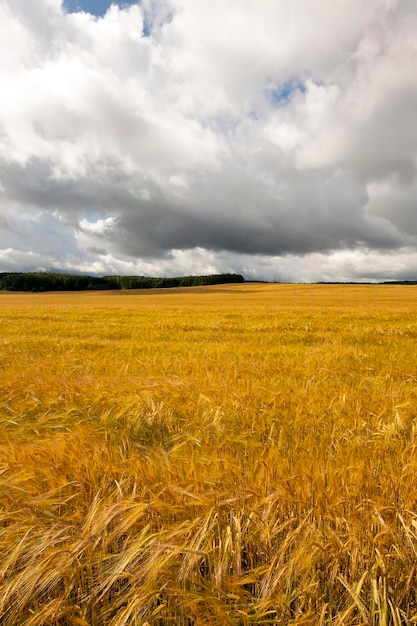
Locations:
231 455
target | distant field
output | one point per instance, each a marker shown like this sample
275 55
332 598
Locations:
233 455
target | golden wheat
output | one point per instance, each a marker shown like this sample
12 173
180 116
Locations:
226 455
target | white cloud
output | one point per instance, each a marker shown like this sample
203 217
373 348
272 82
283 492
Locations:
99 227
178 135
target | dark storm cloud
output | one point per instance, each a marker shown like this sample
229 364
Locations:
303 213
307 215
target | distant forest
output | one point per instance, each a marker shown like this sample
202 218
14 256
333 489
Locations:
51 281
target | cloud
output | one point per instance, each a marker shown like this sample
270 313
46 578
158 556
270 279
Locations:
176 135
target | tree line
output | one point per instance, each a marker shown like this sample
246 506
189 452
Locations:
54 281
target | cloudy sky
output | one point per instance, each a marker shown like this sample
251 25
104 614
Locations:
274 138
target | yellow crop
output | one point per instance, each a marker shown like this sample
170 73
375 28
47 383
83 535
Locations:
225 455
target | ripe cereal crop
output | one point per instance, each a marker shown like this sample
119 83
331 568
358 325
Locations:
232 455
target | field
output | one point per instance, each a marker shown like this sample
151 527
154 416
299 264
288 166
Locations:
231 455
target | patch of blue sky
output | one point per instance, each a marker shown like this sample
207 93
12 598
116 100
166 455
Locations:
95 7
147 26
282 95
99 8
93 217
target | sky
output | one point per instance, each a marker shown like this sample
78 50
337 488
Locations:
94 7
276 139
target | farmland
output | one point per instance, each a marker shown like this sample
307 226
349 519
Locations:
215 455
